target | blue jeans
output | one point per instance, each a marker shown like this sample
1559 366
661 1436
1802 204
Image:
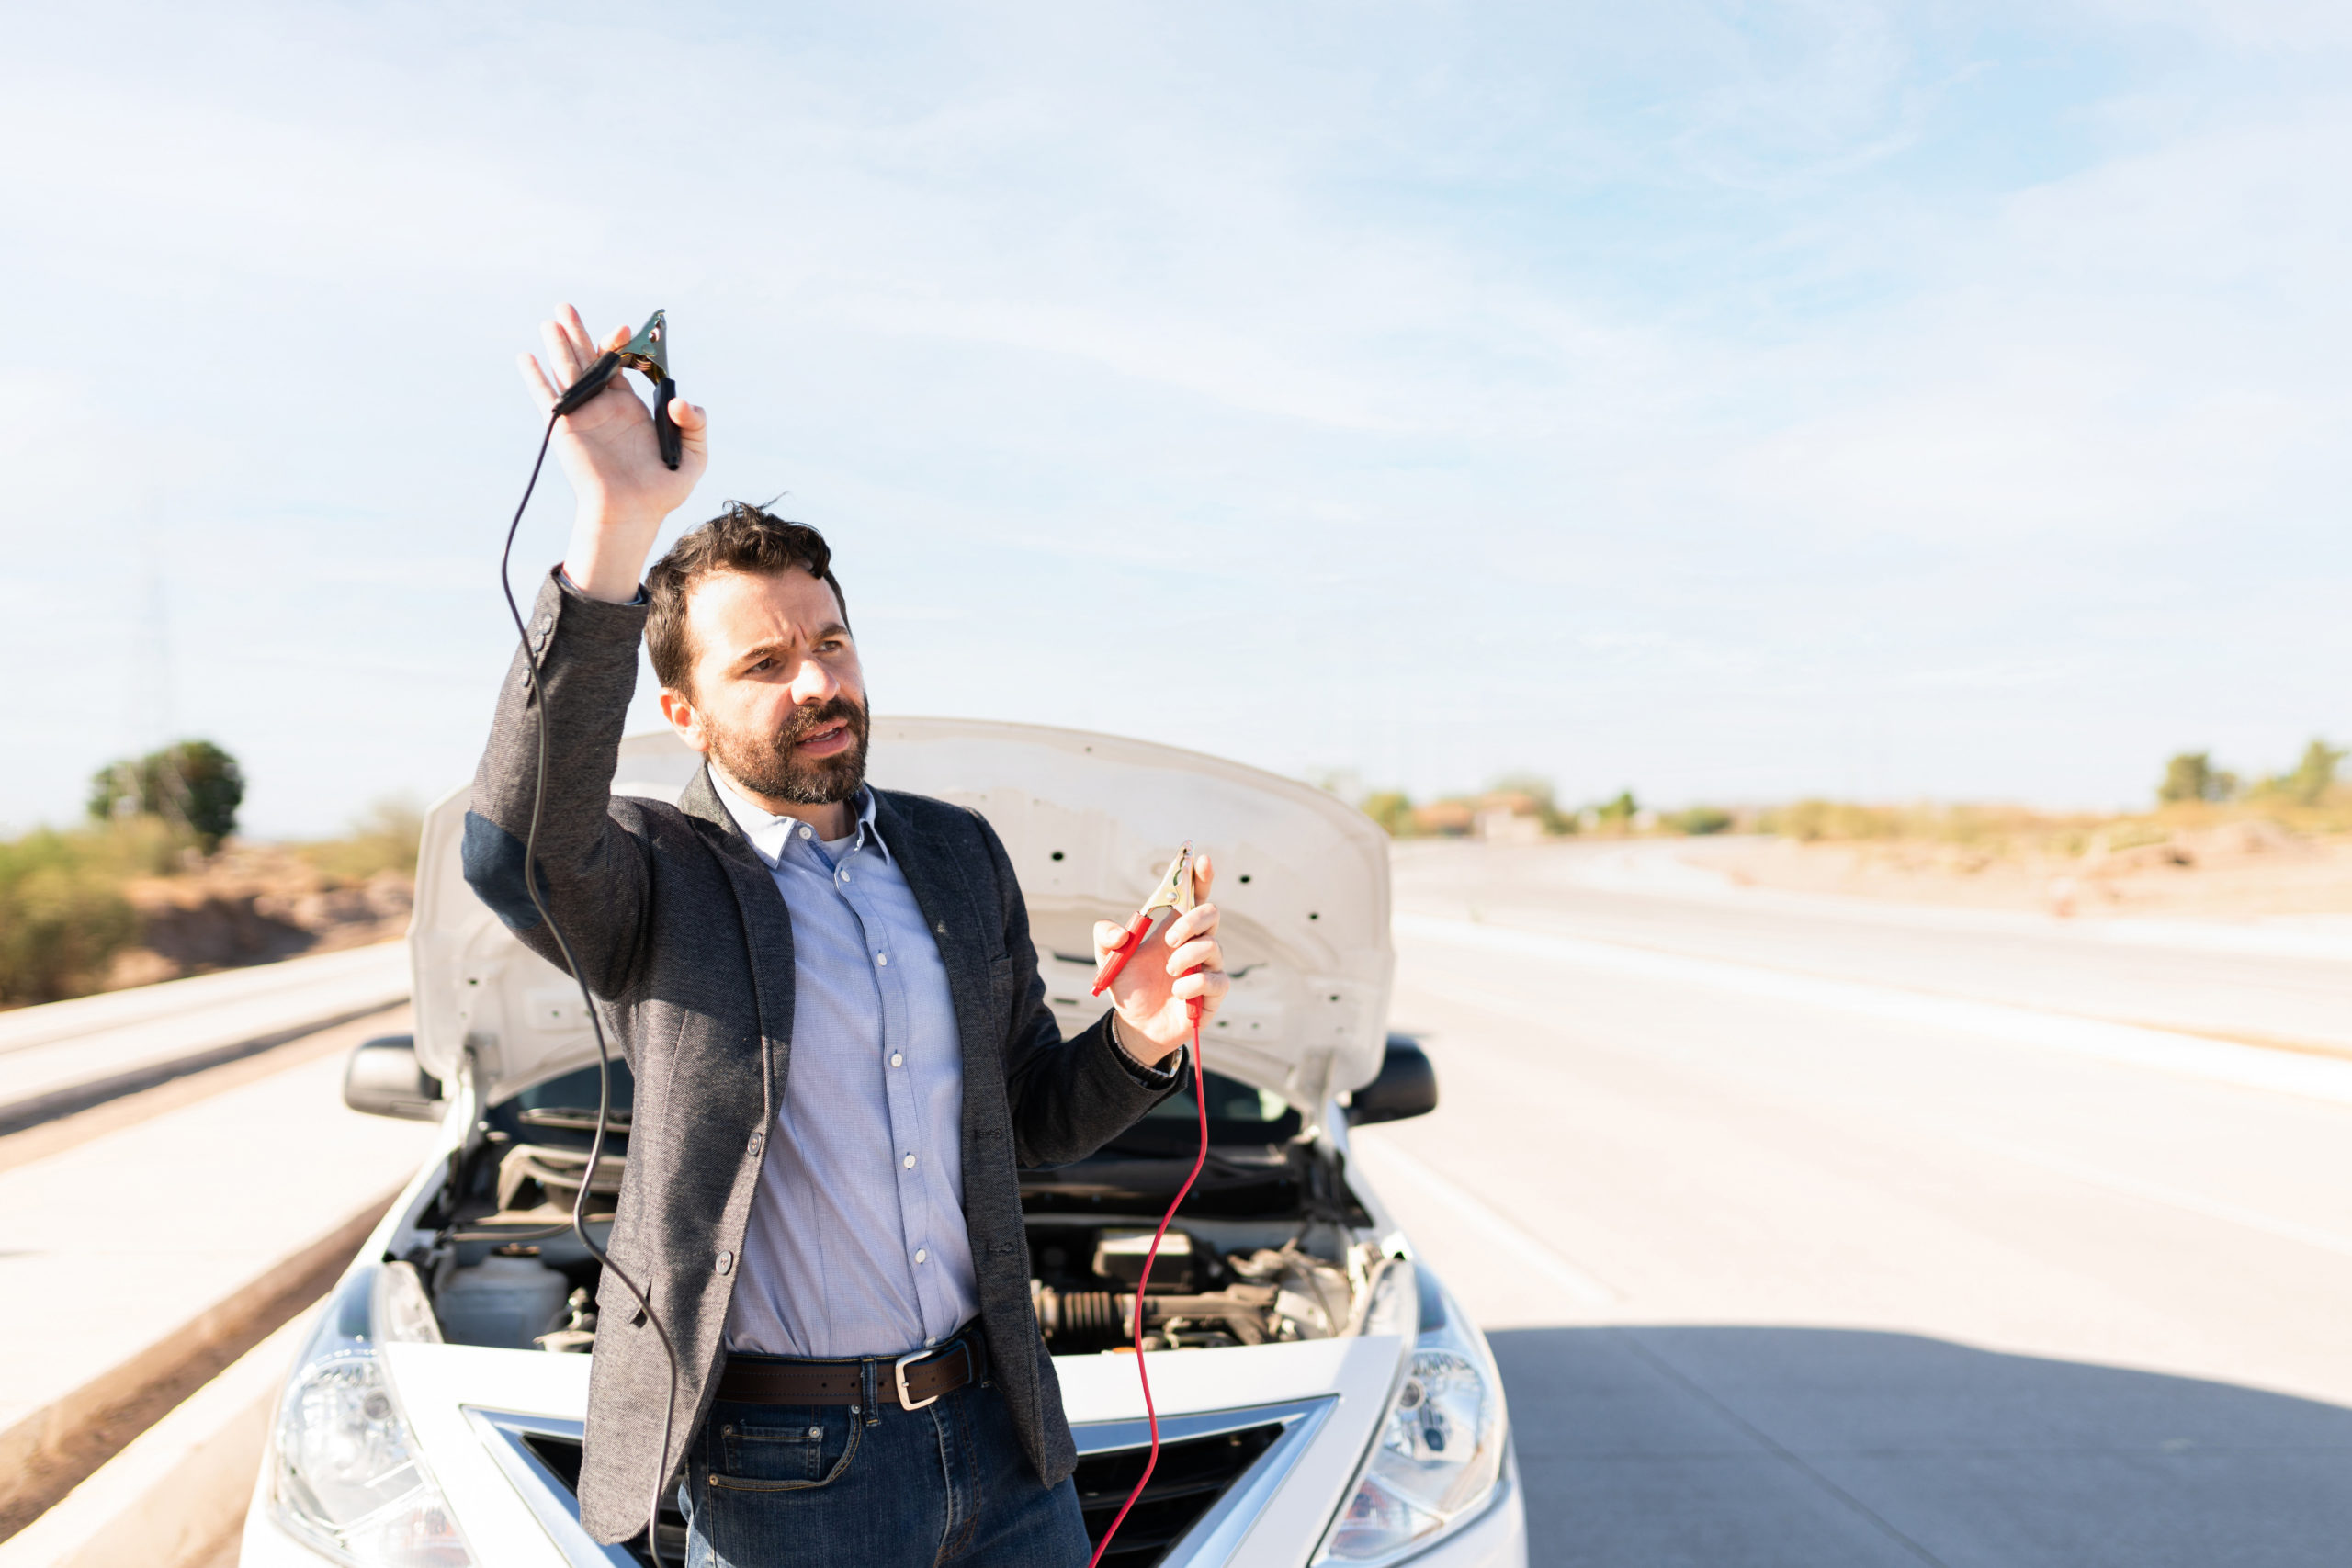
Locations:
782 1485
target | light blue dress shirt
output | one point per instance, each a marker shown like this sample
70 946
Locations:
856 1244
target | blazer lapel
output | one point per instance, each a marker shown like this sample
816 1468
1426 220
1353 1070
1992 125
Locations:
767 924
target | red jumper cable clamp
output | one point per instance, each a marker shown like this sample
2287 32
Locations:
1176 894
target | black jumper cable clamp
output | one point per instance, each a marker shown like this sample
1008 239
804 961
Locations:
648 354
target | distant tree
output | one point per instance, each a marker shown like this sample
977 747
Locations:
192 784
1393 809
1617 813
2314 776
2192 775
1702 819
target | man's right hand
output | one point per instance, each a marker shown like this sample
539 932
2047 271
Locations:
615 465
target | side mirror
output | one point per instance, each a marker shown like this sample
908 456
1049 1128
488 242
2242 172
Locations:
383 1079
1407 1086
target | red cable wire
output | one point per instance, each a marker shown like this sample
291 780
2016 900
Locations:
1200 1158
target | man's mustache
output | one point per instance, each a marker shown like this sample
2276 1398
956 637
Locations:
805 722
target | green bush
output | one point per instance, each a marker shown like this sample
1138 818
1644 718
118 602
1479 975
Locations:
1700 820
63 914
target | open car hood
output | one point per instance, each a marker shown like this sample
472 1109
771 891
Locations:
1090 822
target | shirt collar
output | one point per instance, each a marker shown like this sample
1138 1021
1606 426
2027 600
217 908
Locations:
770 833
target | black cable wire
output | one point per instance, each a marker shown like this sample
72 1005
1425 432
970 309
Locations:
596 1021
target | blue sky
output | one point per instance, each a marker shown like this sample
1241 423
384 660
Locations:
1727 401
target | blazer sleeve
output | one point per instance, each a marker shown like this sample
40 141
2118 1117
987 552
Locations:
592 872
1069 1096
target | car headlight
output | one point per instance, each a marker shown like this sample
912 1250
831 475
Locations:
347 1477
1438 1451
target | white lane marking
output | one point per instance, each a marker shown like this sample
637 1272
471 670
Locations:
2158 1050
1527 1249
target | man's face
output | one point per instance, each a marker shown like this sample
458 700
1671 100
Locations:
778 700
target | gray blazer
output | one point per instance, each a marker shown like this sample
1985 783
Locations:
685 942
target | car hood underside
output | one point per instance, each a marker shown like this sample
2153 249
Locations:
1089 821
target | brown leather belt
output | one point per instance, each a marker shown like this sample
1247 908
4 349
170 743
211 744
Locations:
909 1381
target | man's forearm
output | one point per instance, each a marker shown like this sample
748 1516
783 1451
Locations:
607 558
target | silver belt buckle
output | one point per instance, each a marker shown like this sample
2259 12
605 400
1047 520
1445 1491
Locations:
898 1371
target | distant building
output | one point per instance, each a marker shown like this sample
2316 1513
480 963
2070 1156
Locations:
1501 826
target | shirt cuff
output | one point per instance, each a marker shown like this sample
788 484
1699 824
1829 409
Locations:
564 578
1146 1077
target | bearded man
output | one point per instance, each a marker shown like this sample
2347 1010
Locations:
829 997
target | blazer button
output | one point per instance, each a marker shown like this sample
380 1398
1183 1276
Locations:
759 1142
726 1261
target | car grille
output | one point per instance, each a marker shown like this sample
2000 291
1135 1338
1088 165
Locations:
1189 1477
1217 1471
562 1456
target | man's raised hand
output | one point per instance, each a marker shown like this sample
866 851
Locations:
608 452
1150 992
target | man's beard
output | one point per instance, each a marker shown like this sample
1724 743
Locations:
765 765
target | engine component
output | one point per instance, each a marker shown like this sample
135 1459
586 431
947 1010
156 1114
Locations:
1074 1322
1313 1299
1119 1255
507 1300
558 1171
577 1334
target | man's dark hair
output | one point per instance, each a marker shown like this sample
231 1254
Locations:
742 538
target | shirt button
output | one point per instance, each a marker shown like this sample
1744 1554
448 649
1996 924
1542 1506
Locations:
806 831
896 1060
726 1261
922 1254
883 959
909 1162
844 873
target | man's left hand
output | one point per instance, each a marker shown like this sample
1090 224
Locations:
1150 996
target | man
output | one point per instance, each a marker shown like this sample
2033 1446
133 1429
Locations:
832 1005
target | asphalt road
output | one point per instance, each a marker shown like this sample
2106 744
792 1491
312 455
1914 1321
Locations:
1794 1251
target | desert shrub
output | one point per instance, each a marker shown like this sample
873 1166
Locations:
2313 777
63 913
1392 809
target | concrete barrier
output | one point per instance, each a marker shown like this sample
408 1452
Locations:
67 1057
178 1493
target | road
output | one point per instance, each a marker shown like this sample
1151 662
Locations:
1812 1236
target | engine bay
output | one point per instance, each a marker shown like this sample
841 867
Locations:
1271 1245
